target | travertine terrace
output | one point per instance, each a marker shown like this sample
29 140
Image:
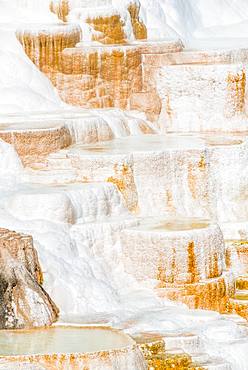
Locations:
55 348
124 156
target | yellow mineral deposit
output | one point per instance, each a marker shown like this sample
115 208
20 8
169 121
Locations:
209 294
242 282
108 29
166 361
43 43
105 76
236 91
139 28
108 26
126 185
167 259
123 179
61 8
239 304
158 357
98 75
150 344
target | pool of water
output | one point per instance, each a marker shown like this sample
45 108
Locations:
61 340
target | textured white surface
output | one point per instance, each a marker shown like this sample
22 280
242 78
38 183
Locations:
22 87
199 97
181 251
18 11
195 177
196 18
76 227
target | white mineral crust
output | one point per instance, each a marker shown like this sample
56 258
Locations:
76 224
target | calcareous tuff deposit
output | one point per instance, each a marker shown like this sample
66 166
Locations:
123 185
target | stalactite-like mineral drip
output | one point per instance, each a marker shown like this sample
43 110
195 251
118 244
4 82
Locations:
44 43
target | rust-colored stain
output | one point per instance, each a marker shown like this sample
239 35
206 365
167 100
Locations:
169 110
210 294
192 263
236 90
146 129
139 28
169 200
202 163
121 181
173 266
161 276
192 180
124 181
242 283
215 271
238 307
37 142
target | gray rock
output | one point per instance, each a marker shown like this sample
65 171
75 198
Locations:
24 303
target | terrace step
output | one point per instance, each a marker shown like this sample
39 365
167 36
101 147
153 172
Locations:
40 134
186 171
177 251
215 100
66 203
101 76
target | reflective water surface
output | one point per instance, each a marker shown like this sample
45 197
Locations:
64 340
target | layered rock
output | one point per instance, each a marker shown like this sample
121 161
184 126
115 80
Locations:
20 247
126 163
159 356
24 303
